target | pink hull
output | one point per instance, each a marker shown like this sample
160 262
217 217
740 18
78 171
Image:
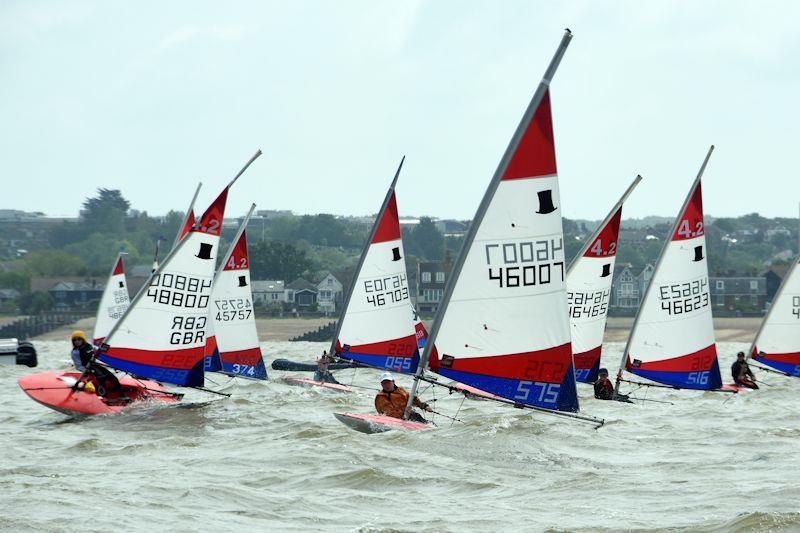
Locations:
54 390
368 423
735 388
304 382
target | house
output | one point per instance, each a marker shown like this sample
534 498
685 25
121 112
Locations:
741 293
329 293
627 288
773 279
302 293
69 295
451 228
431 280
268 291
625 292
8 295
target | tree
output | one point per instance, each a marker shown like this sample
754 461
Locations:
105 212
278 261
16 279
33 303
52 263
425 240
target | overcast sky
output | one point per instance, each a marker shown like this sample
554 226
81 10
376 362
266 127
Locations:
150 97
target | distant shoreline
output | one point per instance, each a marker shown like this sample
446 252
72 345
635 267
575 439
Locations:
282 329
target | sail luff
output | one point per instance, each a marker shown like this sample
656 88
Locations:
363 256
502 167
660 259
604 223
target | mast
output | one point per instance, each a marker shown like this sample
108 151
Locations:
655 269
189 213
363 256
602 225
249 162
484 205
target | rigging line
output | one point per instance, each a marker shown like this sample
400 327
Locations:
211 391
458 410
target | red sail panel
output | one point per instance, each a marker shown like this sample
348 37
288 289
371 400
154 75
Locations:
211 221
536 155
238 259
389 227
187 227
606 243
118 268
691 220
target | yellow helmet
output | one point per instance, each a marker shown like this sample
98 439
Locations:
89 387
78 334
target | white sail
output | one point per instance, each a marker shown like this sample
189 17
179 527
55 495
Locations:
113 303
672 341
502 326
777 343
589 280
162 335
378 324
232 315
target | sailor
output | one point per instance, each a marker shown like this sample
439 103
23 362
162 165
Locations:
392 400
95 378
742 375
603 388
322 373
82 351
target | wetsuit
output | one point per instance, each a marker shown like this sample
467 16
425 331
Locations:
742 374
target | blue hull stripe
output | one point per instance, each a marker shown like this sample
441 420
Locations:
186 378
558 397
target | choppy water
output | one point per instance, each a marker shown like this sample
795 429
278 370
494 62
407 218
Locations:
273 457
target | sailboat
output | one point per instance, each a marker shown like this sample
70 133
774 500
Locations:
589 278
777 342
161 336
672 341
379 326
232 322
502 325
113 303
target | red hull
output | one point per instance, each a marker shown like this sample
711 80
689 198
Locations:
54 390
